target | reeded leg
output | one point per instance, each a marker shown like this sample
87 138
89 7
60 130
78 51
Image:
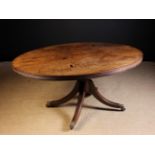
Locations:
102 99
82 93
64 99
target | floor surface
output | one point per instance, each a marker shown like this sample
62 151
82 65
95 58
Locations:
23 111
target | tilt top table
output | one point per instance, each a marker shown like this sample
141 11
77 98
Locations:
81 62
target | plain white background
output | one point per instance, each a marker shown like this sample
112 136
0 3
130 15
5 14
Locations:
74 9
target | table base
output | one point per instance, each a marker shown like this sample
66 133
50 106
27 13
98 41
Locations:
84 88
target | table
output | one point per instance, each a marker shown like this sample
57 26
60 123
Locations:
79 61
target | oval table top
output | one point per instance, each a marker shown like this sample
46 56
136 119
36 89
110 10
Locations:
77 61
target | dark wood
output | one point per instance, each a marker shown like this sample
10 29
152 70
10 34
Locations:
78 61
94 91
81 88
64 99
74 61
82 93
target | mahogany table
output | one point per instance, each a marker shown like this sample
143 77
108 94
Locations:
81 62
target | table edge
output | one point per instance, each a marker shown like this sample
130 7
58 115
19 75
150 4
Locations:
78 77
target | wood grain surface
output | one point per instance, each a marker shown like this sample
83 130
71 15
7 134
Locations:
77 60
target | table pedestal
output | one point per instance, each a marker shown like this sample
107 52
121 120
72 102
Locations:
84 88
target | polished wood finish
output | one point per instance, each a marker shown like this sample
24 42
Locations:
77 61
81 88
